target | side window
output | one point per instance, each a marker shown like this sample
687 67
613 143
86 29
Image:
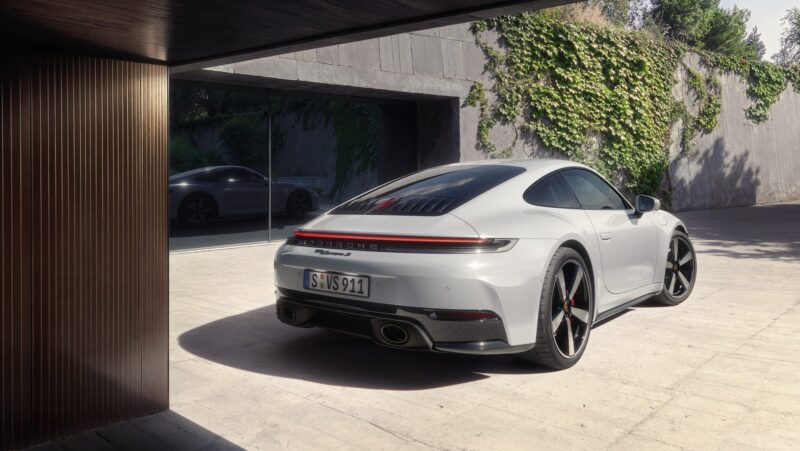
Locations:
593 192
552 191
222 176
242 175
213 176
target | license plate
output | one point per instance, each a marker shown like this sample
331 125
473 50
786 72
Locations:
336 283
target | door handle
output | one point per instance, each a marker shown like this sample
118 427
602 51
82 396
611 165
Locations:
605 236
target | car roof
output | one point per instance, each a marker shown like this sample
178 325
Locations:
547 164
208 169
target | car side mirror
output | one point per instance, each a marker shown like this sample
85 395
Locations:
643 204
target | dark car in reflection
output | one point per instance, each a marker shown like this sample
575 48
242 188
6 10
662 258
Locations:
199 196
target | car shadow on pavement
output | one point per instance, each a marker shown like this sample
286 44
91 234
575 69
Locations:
257 341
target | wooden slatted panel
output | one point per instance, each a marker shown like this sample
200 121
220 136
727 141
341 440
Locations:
182 31
14 250
91 178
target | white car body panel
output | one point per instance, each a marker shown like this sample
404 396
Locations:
628 248
627 267
447 225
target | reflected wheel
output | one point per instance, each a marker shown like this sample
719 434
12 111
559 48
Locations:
298 204
197 210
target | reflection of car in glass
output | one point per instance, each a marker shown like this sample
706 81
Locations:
513 257
199 196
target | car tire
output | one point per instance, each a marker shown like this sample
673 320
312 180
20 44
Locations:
197 210
571 318
298 204
680 273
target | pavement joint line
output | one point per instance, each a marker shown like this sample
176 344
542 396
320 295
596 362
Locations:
658 440
548 425
675 388
748 339
397 435
99 433
404 439
657 409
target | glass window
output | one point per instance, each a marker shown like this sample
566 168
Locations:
430 192
212 176
552 191
228 176
244 175
593 192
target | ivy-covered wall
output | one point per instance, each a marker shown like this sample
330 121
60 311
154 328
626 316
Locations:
640 111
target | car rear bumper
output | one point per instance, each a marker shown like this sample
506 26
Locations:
379 322
507 283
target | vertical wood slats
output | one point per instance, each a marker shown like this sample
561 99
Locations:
14 250
84 264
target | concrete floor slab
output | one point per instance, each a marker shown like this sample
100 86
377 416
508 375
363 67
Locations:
719 371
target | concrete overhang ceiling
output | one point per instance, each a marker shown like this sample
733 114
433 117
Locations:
190 34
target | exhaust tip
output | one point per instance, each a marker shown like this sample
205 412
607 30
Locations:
394 334
287 313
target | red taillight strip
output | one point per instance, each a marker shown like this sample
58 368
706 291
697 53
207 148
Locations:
387 238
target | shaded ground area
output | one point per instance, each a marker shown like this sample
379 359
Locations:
163 431
768 232
719 371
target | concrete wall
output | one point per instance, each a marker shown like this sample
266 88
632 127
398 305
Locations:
432 67
739 163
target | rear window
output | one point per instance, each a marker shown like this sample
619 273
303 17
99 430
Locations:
431 192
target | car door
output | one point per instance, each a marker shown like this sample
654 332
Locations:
628 243
254 189
231 187
246 191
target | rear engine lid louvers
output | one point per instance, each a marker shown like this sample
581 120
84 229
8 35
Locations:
431 192
407 205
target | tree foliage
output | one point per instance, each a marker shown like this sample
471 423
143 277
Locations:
754 42
706 25
190 102
245 138
687 21
789 53
183 155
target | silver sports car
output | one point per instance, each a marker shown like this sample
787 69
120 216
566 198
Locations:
199 196
495 257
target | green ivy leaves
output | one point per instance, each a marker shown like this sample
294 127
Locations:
767 82
567 83
707 93
571 85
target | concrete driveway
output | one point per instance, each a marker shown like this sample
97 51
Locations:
720 371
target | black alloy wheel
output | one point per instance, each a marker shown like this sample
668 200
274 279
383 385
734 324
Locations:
680 271
570 309
566 312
